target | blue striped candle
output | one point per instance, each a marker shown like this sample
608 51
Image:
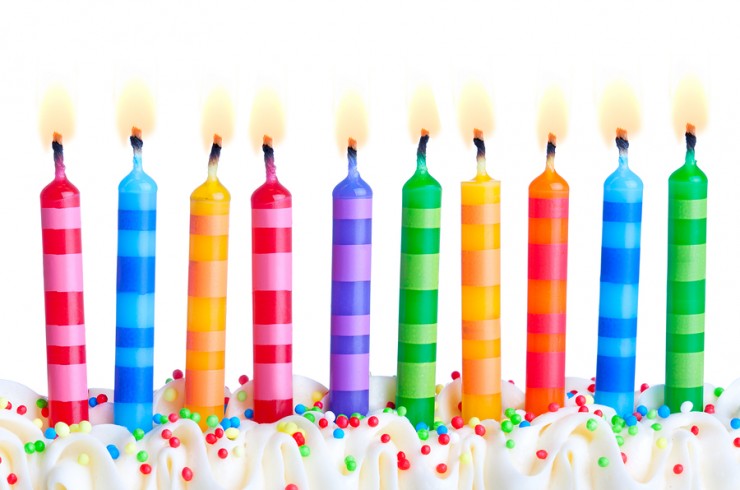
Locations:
620 275
350 292
134 376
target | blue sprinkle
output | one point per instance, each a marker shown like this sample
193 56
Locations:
338 433
249 413
570 395
113 450
421 426
642 410
300 409
630 420
735 423
225 423
235 422
441 429
50 433
523 424
92 401
664 411
157 418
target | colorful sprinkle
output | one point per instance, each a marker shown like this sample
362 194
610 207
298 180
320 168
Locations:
664 411
372 421
174 442
385 438
457 422
443 439
12 479
142 456
662 443
83 459
441 468
510 443
339 433
50 433
39 446
145 468
718 391
187 474
305 451
603 461
678 469
592 424
425 449
113 451
542 454
177 374
170 394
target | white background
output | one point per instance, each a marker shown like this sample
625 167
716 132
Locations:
310 52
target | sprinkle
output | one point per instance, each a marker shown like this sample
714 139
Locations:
591 388
42 403
624 458
473 422
85 427
642 410
113 451
177 374
173 417
323 423
142 456
157 418
45 412
652 414
678 469
529 416
709 408
457 422
300 409
591 424
420 426
372 421
425 449
138 434
50 433
102 398
187 474
241 395
695 430
643 387
664 411
466 457
219 432
93 402
630 420
21 410
509 412
423 434
686 407
401 411
211 438
225 423
38 423
83 459
442 429
12 479
211 421
354 421
243 379
620 441
350 463
656 427
330 416
507 426
404 464
316 396
170 394
318 405
542 454
661 442
223 453
523 424
174 442
130 448
291 486
735 423
238 451
185 413
510 443
441 468
39 446
385 438
516 419
736 442
249 414
166 433
553 407
338 433
4 402
29 448
438 389
444 439
718 391
632 430
145 468
580 400
298 438
305 451
603 461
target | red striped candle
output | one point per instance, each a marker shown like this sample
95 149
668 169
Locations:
65 319
272 285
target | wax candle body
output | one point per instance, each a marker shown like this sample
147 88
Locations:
481 297
546 289
620 273
137 224
206 339
687 233
350 293
417 315
272 296
63 298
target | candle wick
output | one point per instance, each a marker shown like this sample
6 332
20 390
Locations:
270 170
352 162
690 147
58 159
481 156
550 162
623 145
213 160
136 144
421 153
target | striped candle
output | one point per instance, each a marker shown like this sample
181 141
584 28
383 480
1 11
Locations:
417 308
272 286
620 274
63 299
206 340
481 292
137 224
687 253
349 382
546 287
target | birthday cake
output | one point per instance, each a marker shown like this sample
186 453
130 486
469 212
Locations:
581 445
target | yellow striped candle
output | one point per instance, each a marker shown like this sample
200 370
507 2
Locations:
481 292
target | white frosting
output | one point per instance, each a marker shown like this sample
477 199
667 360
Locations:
269 458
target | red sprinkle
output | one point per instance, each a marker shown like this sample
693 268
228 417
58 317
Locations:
441 468
187 474
299 439
529 416
624 458
101 398
21 410
598 413
243 379
553 407
678 469
583 408
223 453
145 468
385 438
542 454
455 375
211 438
175 442
457 422
709 408
177 374
404 464
643 387
173 417
12 479
342 422
591 388
480 430
638 416
166 434
390 405
45 412
291 486
318 404
580 400
695 430
354 422
511 381
400 455
8 406
372 421
736 442
323 423
444 439
425 449
219 432
573 392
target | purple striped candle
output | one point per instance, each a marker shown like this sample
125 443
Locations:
350 292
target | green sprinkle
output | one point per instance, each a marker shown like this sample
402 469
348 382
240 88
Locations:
401 411
718 391
507 426
652 414
185 413
603 461
142 456
656 426
168 380
29 447
351 465
138 434
620 441
591 424
423 434
41 403
241 395
436 424
633 430
305 451
309 416
509 412
516 419
39 446
510 443
387 410
195 417
212 421
357 415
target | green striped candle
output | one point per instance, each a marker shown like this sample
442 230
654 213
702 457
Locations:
417 307
687 253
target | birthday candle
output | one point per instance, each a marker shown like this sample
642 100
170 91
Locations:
620 274
272 286
350 299
687 254
65 318
546 287
137 225
417 307
481 292
206 341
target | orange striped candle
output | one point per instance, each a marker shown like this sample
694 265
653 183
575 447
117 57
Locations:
481 292
206 341
546 286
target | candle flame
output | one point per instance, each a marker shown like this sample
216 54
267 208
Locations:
266 118
56 138
135 108
553 116
267 141
351 120
619 108
218 117
423 113
689 106
136 132
56 114
475 111
622 133
351 143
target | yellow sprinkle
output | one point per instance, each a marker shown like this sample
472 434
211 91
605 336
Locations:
3 402
238 451
473 422
83 459
231 433
38 423
85 427
62 429
74 428
170 394
465 457
281 426
316 396
589 399
291 428
661 442
130 448
438 389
